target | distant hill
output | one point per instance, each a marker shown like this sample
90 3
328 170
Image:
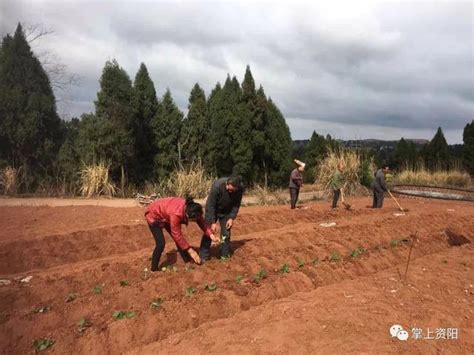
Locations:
364 143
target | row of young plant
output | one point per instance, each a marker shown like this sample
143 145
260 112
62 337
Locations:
189 292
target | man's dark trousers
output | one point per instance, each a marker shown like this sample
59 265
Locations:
378 199
335 197
294 193
226 250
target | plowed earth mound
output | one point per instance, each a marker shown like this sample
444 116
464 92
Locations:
325 289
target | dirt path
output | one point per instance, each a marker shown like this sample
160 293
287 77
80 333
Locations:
341 294
121 202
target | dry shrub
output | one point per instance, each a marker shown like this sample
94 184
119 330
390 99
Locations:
186 181
265 196
442 178
352 173
9 178
95 181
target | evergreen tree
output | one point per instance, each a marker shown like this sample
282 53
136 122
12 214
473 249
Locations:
277 146
436 153
167 128
145 104
255 110
69 155
240 130
196 126
405 154
468 149
219 160
316 148
114 106
30 129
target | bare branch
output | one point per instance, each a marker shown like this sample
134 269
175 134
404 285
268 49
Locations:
35 31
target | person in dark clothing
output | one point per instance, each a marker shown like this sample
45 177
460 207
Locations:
379 187
296 181
170 213
337 183
223 204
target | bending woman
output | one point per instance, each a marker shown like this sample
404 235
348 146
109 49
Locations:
170 213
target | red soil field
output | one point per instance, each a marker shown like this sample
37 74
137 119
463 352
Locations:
345 287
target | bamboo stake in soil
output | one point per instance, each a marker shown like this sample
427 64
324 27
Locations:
409 254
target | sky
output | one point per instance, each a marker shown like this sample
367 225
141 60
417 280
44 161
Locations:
353 69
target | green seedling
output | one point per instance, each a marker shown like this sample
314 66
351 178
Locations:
300 264
239 279
156 303
224 258
175 269
43 344
164 269
285 269
190 291
357 252
394 243
335 257
42 309
210 287
262 274
124 283
71 297
119 315
83 324
315 261
98 289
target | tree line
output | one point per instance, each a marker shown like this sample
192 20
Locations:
236 130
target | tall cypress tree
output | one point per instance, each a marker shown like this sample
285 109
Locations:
278 145
196 126
30 129
405 154
436 153
114 106
167 125
468 148
240 130
145 104
254 108
219 160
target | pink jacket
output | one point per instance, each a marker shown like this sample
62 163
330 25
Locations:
170 213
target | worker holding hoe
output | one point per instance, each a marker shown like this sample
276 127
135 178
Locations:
223 204
296 181
170 213
379 187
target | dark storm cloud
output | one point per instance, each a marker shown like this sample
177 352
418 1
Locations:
365 69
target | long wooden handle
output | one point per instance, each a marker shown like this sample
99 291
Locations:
400 207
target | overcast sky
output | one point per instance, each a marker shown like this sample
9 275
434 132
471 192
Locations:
354 69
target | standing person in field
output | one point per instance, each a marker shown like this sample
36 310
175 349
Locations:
379 187
296 181
223 204
337 182
170 213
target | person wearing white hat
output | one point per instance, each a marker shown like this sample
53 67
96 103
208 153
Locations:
296 181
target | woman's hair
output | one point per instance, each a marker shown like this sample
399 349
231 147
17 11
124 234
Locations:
193 209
